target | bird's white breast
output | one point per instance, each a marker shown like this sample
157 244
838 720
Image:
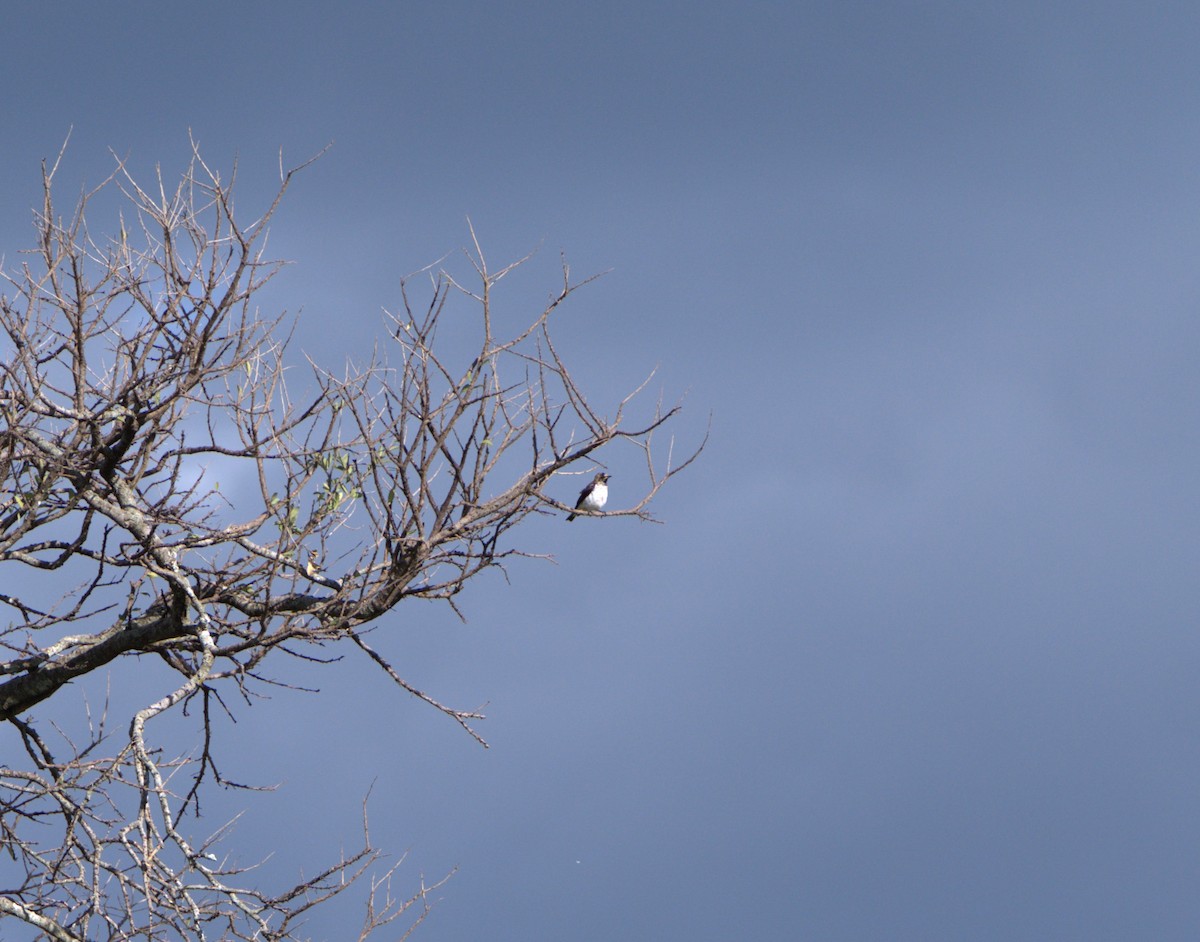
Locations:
595 500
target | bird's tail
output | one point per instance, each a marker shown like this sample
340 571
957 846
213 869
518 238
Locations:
572 517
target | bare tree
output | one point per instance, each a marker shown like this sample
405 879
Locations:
133 365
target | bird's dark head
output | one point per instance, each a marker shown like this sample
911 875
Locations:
602 478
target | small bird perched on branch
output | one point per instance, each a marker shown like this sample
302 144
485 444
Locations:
312 569
593 496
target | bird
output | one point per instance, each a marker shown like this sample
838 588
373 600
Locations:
593 496
312 569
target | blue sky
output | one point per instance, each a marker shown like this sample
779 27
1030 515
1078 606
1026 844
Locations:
914 655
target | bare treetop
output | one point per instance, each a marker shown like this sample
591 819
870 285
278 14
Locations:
131 367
